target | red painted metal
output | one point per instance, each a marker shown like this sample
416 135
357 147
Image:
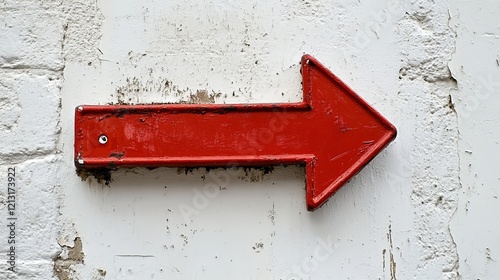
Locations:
332 131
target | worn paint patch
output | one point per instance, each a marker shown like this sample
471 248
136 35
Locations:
202 96
65 262
134 89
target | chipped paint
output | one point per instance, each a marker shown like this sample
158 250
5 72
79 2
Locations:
65 263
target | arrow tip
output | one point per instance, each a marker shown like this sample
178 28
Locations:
358 131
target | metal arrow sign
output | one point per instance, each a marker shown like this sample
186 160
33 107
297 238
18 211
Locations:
333 132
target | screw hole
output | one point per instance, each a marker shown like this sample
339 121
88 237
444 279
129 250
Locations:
103 139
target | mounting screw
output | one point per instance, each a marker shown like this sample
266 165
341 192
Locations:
80 161
103 139
80 108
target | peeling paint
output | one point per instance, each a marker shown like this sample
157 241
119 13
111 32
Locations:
65 262
202 96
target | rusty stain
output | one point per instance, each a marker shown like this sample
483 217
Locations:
101 175
117 155
256 173
67 259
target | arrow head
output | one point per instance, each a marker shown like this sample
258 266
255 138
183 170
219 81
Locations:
347 131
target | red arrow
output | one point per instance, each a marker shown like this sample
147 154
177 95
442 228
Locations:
332 131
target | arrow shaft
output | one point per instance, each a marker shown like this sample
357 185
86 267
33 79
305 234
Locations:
195 135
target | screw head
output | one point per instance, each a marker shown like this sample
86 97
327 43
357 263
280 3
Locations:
103 139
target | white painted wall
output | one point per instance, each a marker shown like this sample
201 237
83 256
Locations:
476 66
425 208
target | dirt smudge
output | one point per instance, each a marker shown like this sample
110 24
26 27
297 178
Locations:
392 263
202 97
134 89
101 175
258 247
256 174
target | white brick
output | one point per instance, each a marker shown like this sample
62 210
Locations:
29 113
31 34
37 205
29 270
